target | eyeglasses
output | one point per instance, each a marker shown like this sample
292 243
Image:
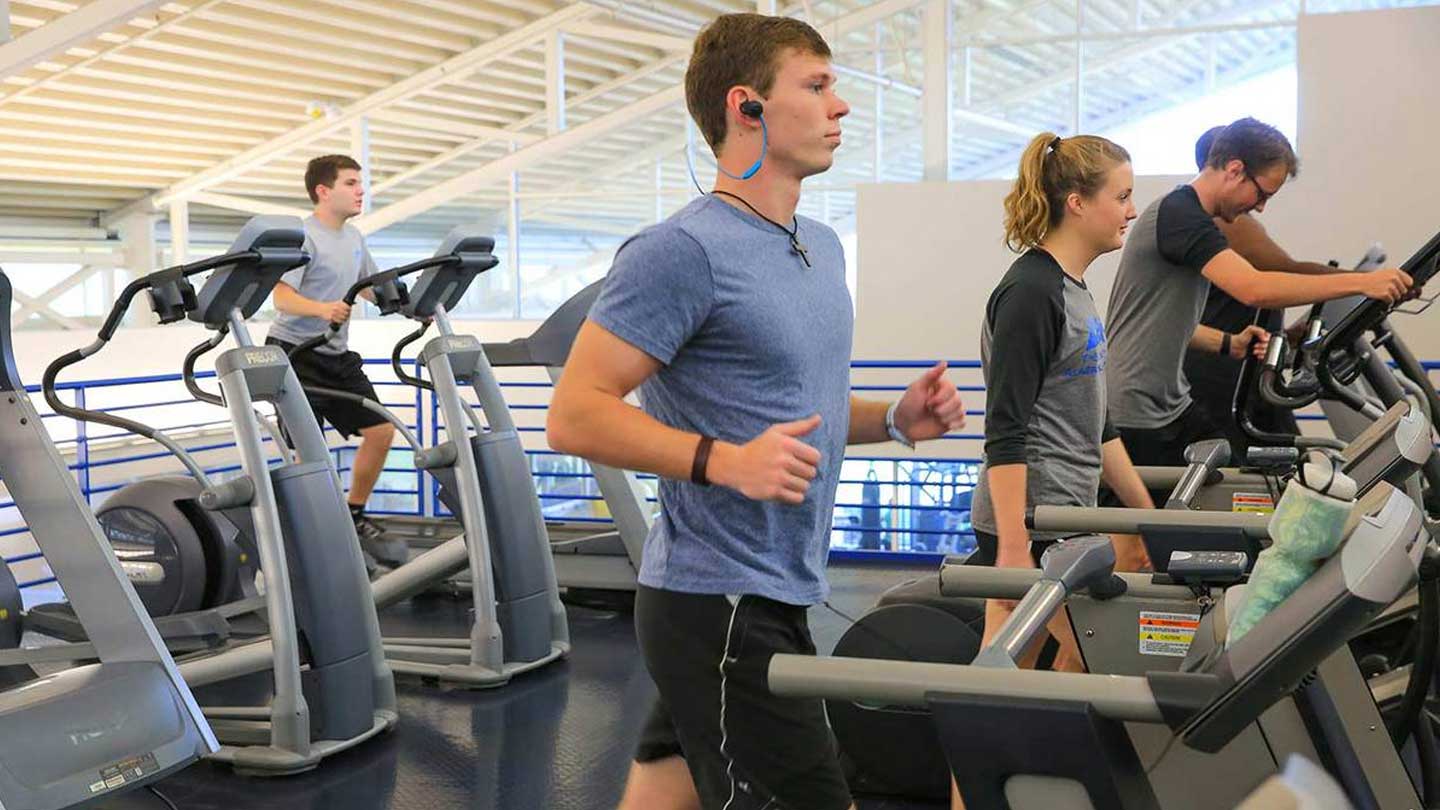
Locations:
1260 193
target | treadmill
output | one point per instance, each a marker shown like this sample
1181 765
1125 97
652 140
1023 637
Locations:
998 724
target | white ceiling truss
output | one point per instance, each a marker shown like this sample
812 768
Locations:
114 107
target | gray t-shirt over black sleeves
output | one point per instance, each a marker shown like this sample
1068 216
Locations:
1043 354
747 336
1155 305
338 259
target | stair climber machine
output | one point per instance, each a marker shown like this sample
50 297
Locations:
484 477
79 722
323 651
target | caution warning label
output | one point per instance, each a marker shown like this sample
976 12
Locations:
1167 634
1259 502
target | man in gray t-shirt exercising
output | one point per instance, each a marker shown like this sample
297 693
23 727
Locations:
1174 253
309 300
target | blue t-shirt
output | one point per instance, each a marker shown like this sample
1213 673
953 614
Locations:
748 337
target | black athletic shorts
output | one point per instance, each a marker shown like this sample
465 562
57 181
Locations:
987 548
746 748
1165 446
345 372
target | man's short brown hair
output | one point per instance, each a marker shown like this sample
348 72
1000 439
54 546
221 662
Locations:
740 49
323 171
1254 143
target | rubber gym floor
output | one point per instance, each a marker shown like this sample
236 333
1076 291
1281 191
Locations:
557 739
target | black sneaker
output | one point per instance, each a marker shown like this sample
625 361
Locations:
387 551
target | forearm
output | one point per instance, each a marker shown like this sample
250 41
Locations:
1121 477
290 302
867 421
1206 339
1313 269
1007 497
1273 290
599 427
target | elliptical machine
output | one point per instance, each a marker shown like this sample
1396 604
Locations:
316 593
116 714
192 560
484 478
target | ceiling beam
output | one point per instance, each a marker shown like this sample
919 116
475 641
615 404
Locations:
449 125
631 36
462 64
246 205
471 180
496 170
59 35
512 131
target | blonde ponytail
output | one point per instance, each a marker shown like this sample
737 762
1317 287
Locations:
1027 209
1051 169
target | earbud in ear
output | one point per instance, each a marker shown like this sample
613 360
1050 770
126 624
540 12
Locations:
751 108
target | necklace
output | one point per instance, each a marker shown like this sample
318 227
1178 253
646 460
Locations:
794 233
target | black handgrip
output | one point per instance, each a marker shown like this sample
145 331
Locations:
1274 391
397 364
188 371
310 343
47 386
121 306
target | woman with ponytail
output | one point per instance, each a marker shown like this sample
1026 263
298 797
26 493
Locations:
1047 438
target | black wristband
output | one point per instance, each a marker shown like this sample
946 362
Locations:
1225 344
702 460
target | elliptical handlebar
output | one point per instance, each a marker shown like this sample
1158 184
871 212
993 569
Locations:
389 301
1272 385
397 363
187 372
161 279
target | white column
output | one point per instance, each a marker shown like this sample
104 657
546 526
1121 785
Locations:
513 231
965 77
1210 63
360 150
935 102
1079 96
879 143
555 83
766 7
179 232
4 21
137 233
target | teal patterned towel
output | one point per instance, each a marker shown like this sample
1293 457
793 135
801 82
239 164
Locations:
1305 531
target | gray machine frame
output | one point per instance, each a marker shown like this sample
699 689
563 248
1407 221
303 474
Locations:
284 738
123 718
302 532
603 561
492 654
1223 697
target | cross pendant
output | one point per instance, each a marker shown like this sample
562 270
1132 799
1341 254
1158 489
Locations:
799 247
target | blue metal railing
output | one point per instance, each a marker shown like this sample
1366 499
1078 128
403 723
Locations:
915 505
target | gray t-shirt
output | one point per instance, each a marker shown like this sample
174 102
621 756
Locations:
338 259
1043 352
748 336
1155 305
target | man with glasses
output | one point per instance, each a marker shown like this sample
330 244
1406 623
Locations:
1174 253
1213 376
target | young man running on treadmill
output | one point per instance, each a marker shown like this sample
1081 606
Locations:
309 300
733 321
1174 253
